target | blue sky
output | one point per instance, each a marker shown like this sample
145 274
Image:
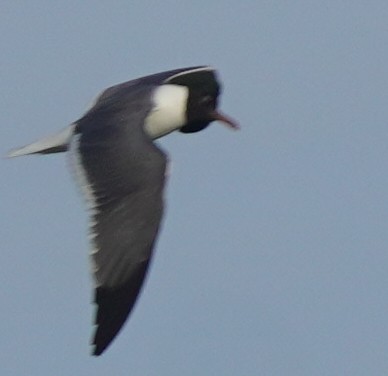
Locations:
273 256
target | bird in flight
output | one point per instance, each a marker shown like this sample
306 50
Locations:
122 173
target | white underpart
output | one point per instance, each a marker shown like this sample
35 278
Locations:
169 112
61 138
88 193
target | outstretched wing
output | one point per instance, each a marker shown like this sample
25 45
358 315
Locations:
122 175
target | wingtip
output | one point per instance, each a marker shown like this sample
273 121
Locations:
24 150
98 347
96 351
113 309
12 154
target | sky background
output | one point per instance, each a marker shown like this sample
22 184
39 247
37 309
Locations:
273 258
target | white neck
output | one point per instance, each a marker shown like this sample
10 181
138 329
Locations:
169 112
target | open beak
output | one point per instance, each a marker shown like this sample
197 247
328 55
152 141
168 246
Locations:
218 116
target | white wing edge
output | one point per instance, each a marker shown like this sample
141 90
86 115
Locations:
54 143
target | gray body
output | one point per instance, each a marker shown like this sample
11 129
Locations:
122 175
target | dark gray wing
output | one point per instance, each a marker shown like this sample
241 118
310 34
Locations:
122 173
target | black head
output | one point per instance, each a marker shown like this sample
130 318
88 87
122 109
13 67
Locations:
200 107
202 101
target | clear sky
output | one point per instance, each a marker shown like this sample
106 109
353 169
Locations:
273 259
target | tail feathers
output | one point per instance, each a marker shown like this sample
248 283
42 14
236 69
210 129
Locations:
55 143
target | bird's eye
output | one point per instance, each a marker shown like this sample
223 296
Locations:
207 100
